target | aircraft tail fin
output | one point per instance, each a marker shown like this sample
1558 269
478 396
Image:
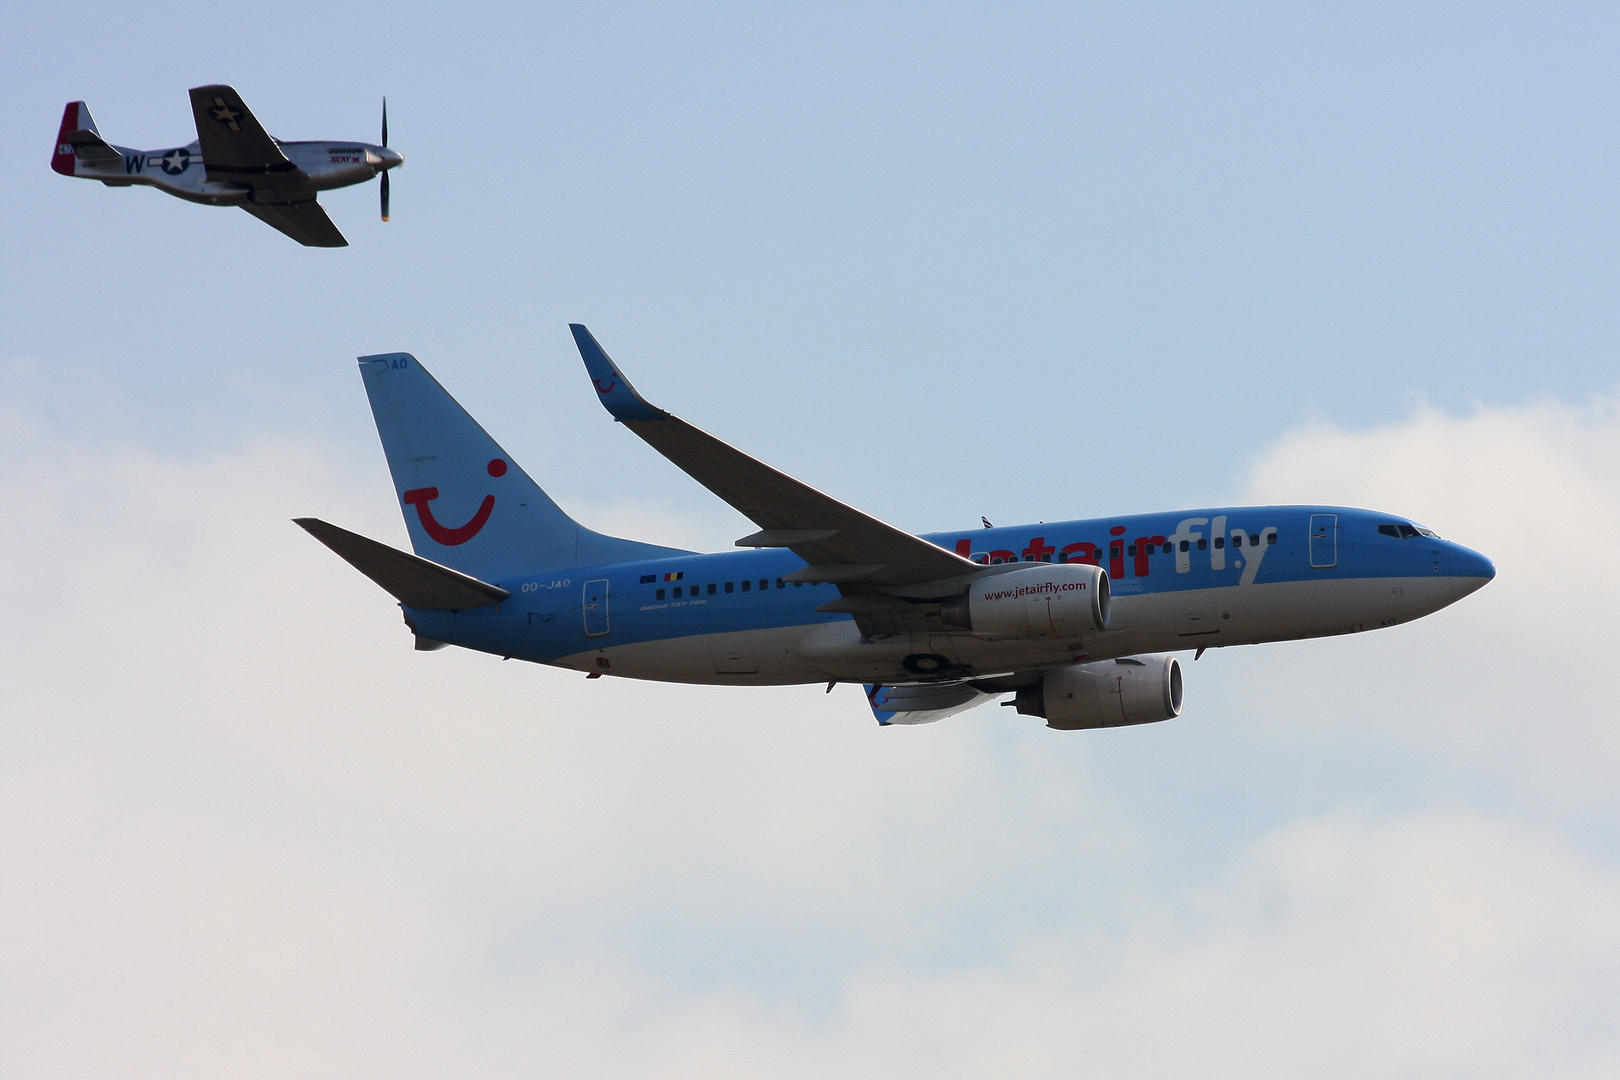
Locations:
467 504
78 139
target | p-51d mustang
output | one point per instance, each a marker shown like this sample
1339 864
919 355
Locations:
232 162
1065 616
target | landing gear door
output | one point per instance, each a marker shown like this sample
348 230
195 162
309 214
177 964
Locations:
1324 540
596 608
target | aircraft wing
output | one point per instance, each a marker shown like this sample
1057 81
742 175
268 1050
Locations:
306 222
841 544
235 147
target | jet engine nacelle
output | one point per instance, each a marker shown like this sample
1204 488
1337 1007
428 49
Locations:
1047 601
1111 693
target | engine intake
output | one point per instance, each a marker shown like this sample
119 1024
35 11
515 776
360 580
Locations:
1111 693
1047 601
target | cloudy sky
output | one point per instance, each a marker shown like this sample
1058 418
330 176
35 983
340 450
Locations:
1029 262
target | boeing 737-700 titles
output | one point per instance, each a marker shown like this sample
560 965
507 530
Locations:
1072 619
232 162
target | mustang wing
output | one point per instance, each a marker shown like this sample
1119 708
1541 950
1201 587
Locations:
304 221
841 544
235 148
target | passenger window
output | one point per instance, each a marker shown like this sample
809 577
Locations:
798 584
711 588
764 582
1202 544
1131 551
1184 545
780 584
1271 538
1168 548
728 586
1254 541
747 585
677 592
660 594
1220 541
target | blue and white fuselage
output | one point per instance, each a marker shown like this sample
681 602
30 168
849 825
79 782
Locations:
1075 618
731 619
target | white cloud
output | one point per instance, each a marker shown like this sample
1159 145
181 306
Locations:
1513 680
246 832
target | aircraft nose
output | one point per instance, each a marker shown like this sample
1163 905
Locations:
1470 570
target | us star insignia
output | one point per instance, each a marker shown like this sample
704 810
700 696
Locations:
226 114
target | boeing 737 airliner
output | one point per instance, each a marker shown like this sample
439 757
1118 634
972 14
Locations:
1070 618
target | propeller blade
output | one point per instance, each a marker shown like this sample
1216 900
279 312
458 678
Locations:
385 121
385 196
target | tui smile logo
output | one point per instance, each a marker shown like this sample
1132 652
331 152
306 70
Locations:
605 386
460 534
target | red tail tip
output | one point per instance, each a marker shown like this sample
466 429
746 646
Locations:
62 156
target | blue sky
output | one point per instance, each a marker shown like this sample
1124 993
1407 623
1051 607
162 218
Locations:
1032 262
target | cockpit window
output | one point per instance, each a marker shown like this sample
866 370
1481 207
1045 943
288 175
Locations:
1406 532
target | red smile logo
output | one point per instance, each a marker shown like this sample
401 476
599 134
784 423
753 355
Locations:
450 537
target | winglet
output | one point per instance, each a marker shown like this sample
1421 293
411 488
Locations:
618 396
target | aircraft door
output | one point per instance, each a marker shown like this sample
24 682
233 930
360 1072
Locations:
596 608
1324 540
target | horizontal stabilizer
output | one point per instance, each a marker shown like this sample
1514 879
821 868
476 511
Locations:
93 150
412 580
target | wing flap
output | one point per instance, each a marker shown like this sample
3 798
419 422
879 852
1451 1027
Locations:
412 580
840 543
923 704
306 222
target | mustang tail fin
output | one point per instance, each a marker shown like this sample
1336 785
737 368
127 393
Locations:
77 138
467 504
